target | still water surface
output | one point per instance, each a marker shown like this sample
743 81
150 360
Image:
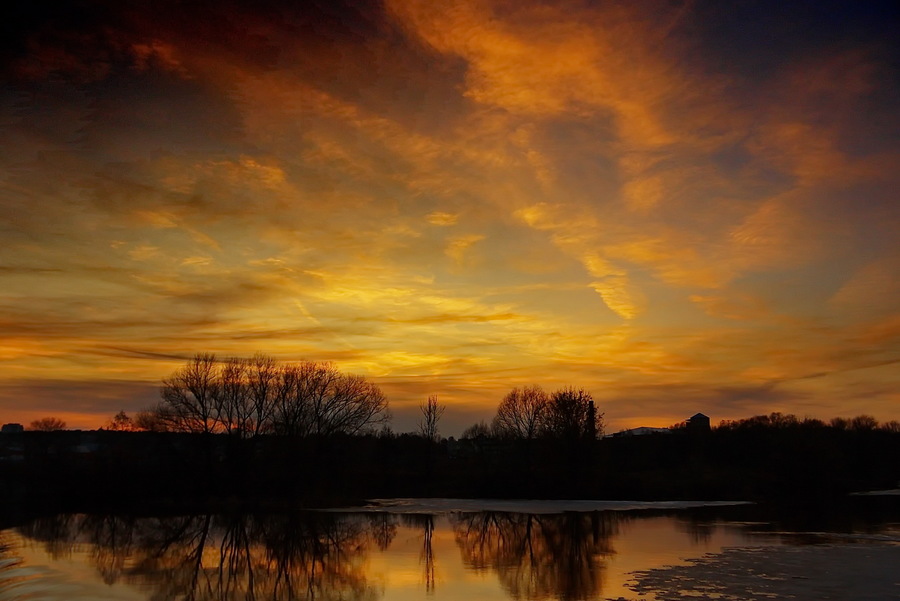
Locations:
490 555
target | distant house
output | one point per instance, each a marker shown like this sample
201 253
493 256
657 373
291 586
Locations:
698 423
12 428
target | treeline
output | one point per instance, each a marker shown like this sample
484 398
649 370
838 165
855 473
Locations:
305 433
789 421
250 397
775 456
749 460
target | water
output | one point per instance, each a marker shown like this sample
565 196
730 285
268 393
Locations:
524 552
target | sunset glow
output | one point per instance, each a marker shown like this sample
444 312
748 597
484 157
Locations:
681 206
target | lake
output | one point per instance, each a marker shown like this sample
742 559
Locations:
402 550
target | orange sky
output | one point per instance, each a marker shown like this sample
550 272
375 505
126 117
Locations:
682 207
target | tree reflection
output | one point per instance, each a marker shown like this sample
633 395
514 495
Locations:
539 556
698 530
226 558
323 556
383 527
426 557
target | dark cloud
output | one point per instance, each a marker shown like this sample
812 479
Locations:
757 39
454 318
629 403
28 270
113 351
49 396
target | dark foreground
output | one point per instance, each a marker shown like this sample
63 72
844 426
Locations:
70 470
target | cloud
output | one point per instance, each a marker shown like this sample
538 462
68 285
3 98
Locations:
82 404
734 306
441 218
458 248
872 289
539 60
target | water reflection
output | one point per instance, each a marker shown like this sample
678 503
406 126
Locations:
424 522
223 558
539 556
8 560
312 555
361 556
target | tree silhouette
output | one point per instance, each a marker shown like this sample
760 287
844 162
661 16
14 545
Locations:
262 378
477 431
190 396
431 415
121 422
314 398
571 415
522 413
47 424
247 397
233 397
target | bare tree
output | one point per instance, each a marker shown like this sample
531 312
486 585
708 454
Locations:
47 424
571 415
121 422
522 413
152 420
190 396
863 423
262 380
891 426
475 431
352 406
251 396
289 413
431 415
233 397
323 395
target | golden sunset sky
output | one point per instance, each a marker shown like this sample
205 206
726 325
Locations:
679 206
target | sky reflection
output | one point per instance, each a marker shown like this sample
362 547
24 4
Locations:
350 556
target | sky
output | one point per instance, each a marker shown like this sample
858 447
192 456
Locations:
680 206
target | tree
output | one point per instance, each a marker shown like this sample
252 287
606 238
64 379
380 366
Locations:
48 424
190 396
233 397
431 415
315 398
571 415
153 420
247 397
121 422
475 431
262 378
891 426
839 423
863 423
522 413
351 405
